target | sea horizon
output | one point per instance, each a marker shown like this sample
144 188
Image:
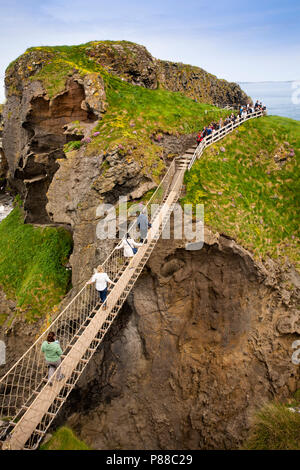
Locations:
269 81
280 97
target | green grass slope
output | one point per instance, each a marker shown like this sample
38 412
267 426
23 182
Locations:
31 265
64 439
137 118
251 190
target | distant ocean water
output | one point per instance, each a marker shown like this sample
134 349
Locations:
277 96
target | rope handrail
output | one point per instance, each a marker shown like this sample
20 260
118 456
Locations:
154 195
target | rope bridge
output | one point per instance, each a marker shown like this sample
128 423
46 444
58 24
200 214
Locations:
28 404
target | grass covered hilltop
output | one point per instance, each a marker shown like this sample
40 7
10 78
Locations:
249 184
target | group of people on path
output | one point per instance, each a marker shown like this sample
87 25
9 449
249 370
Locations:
244 111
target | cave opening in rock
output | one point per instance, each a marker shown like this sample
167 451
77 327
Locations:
45 127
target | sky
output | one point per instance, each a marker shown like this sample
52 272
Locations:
257 40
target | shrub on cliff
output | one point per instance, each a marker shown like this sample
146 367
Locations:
275 427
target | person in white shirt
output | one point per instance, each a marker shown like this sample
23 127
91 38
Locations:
129 246
101 279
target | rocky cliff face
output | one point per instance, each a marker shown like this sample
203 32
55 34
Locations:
205 338
3 162
35 131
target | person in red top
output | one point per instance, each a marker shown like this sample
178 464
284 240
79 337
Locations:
199 137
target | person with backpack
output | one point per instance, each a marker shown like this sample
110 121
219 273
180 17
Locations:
130 247
52 352
101 278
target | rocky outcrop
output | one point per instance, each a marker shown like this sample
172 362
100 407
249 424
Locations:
205 338
136 65
199 84
3 162
35 131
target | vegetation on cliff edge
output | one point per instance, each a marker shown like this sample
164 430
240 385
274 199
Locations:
32 268
138 118
64 439
249 184
275 427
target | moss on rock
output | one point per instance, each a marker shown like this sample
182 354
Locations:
64 439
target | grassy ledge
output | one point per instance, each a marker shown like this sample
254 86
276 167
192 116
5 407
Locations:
64 439
275 427
249 185
32 268
137 119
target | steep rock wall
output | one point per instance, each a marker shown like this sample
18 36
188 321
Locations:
3 161
35 130
205 338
